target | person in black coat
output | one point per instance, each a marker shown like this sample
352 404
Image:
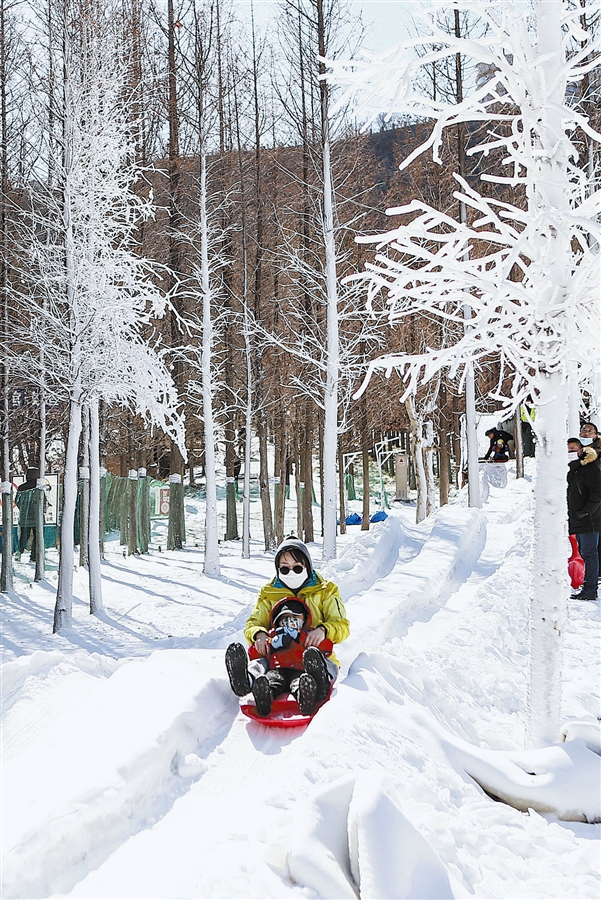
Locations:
589 437
25 500
498 444
584 511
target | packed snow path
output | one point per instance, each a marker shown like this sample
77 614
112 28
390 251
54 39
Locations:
140 778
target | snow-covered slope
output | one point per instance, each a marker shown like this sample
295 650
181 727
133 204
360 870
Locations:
128 770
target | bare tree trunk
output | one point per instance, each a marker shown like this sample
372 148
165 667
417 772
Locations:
549 573
41 488
211 560
264 482
176 466
280 475
330 442
64 595
132 512
95 578
261 418
473 479
248 348
84 500
443 441
428 452
6 578
299 490
229 427
307 476
519 445
365 460
416 445
341 486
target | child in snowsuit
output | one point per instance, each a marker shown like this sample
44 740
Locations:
297 619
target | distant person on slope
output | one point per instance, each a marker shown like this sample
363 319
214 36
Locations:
498 444
297 619
584 511
26 502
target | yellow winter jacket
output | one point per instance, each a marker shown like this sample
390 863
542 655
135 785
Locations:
323 600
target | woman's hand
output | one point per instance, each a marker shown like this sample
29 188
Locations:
315 637
262 643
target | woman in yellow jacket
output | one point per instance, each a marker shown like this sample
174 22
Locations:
313 618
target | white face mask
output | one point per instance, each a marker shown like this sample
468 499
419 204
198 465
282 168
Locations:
586 441
572 455
292 580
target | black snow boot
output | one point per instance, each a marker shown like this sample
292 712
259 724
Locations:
306 694
236 663
315 665
262 694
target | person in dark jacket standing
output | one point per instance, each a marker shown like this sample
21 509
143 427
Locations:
589 437
25 500
584 511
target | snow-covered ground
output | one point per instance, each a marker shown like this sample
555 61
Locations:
129 772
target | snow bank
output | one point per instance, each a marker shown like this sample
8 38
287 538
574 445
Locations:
419 587
351 840
564 780
25 673
116 754
370 557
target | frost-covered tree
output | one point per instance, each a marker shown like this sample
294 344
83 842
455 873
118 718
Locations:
80 259
527 270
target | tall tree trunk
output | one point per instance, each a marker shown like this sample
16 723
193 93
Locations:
211 560
280 475
229 424
341 486
40 554
548 569
248 347
519 445
64 595
443 441
473 478
247 447
132 512
365 464
6 577
264 482
416 448
332 340
176 465
261 417
307 475
95 578
84 500
428 451
299 487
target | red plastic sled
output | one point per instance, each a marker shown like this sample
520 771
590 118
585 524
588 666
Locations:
284 712
575 564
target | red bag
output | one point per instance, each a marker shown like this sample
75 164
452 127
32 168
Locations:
575 564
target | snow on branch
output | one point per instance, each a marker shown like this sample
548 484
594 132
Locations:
528 271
